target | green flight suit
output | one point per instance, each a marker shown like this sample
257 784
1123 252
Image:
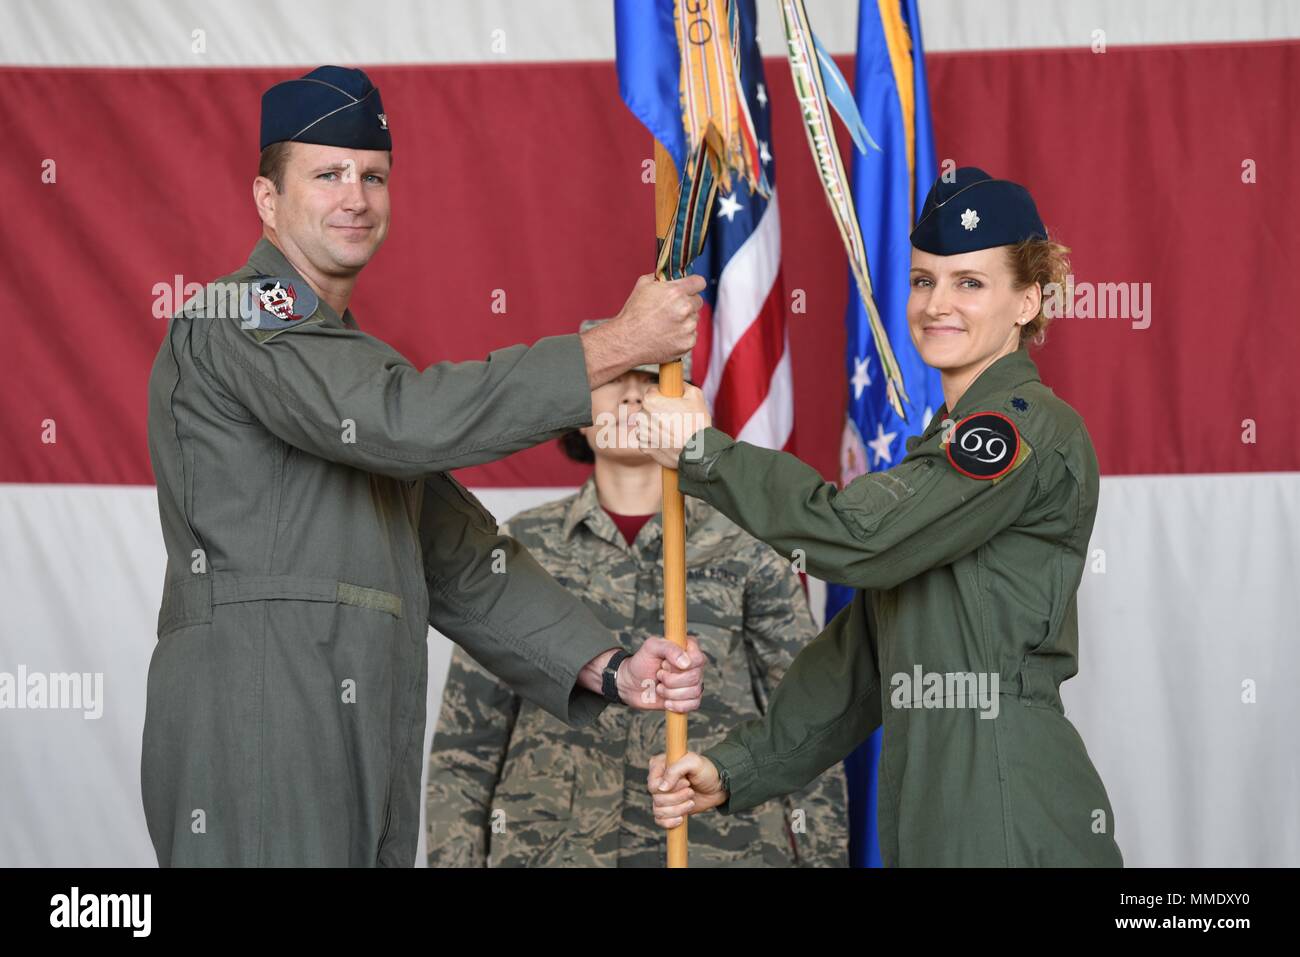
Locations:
959 576
312 537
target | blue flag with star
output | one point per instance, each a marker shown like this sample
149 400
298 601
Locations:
888 193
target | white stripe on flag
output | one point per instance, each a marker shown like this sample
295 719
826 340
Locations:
746 281
772 422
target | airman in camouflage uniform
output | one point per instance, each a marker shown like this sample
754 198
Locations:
509 785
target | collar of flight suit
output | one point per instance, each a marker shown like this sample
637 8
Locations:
267 260
986 392
586 508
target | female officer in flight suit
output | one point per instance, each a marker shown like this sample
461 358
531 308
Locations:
968 556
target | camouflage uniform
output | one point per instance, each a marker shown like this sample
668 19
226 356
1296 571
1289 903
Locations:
511 786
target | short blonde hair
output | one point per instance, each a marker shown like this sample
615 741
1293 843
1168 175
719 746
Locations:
1038 262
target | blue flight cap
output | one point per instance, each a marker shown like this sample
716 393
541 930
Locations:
975 211
331 106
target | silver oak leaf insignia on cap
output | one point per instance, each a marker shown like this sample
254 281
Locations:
970 219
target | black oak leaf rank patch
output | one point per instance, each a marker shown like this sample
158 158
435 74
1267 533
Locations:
984 445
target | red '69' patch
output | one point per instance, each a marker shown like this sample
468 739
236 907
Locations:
984 445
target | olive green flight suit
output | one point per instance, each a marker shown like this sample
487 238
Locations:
959 576
312 537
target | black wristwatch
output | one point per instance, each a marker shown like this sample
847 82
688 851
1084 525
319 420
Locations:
609 678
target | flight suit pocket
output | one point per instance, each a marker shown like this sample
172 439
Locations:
464 501
868 499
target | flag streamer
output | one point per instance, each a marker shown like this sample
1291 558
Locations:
810 85
715 113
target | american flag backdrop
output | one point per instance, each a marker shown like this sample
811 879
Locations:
1158 139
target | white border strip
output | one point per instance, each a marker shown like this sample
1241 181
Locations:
293 33
1193 597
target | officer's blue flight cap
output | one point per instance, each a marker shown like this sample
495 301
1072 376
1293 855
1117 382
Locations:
330 106
975 211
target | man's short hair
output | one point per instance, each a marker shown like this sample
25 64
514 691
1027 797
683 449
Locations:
274 159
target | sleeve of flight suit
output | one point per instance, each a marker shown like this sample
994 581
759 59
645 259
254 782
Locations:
489 595
828 702
881 530
347 397
778 625
475 724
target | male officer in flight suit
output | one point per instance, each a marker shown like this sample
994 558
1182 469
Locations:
313 533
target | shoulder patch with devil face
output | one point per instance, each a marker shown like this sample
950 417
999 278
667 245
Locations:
276 303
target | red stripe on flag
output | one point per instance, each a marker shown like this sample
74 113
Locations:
703 351
154 169
747 376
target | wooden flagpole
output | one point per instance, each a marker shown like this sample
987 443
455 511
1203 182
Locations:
674 514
